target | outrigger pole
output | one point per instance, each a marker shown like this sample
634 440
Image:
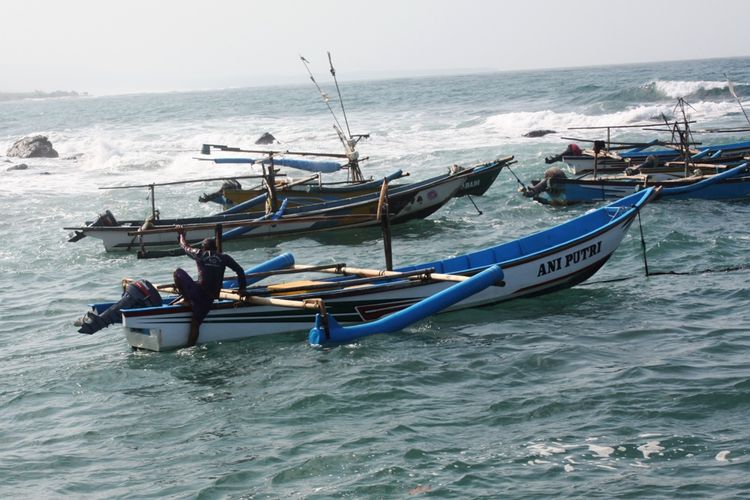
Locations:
206 150
152 194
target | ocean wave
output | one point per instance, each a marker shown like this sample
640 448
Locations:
518 123
684 88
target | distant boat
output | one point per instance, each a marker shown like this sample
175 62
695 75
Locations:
415 201
729 184
314 190
613 162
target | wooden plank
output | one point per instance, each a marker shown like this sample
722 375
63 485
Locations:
391 274
351 219
309 304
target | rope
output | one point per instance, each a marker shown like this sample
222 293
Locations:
517 179
643 244
739 267
475 205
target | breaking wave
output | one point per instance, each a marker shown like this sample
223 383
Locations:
681 88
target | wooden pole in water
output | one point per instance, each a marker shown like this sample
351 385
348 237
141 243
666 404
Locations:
153 202
385 222
219 231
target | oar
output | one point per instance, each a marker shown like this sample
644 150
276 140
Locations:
355 218
359 271
190 181
309 304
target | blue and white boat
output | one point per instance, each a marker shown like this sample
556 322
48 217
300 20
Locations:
730 184
553 259
611 161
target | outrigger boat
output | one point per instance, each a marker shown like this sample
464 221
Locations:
609 161
729 184
607 157
312 190
417 200
549 260
678 180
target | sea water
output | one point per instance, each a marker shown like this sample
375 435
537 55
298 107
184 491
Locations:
626 386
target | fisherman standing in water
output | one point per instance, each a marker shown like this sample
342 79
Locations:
201 294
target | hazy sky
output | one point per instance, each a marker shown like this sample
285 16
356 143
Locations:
102 46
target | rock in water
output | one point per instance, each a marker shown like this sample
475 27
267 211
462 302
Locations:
33 147
539 133
20 166
266 139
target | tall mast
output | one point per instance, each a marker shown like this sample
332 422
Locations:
348 140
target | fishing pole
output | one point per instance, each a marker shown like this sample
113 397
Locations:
349 142
341 99
731 89
326 97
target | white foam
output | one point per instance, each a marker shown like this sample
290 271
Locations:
683 88
601 451
650 448
722 456
545 450
518 123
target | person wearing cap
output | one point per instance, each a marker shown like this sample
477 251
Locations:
202 293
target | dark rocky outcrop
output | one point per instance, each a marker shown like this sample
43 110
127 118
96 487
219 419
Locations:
37 146
20 166
539 133
266 138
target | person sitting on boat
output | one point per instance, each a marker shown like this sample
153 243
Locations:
201 294
571 150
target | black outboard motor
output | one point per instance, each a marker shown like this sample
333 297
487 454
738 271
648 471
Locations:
105 219
218 196
544 184
139 293
651 162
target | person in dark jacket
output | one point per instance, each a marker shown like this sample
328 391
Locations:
202 293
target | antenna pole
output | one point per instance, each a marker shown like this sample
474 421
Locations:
325 96
731 89
341 100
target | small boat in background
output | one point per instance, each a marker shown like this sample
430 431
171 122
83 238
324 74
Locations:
415 201
557 189
313 190
607 157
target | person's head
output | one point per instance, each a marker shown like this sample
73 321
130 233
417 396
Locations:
209 245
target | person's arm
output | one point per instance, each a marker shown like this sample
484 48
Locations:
232 264
189 250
